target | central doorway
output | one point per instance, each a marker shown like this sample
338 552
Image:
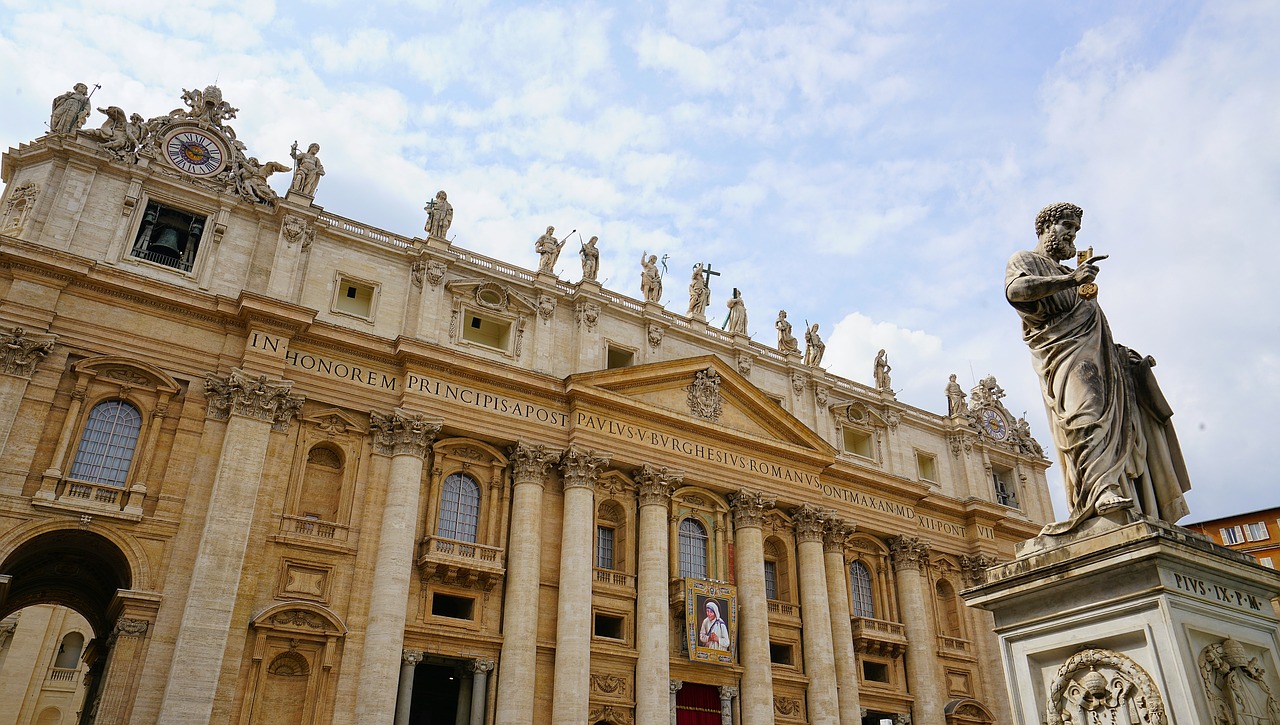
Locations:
437 683
698 705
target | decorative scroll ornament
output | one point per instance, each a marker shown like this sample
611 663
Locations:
809 521
797 383
296 229
579 467
485 666
974 568
704 395
22 198
836 533
587 314
744 364
609 714
299 618
402 432
410 657
258 398
128 628
546 306
1235 687
530 461
788 706
909 552
607 684
20 351
1103 686
656 484
435 272
749 508
655 335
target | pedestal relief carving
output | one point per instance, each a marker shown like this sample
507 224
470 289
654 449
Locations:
402 432
1234 686
251 397
749 508
1103 686
20 351
579 467
704 395
789 707
610 714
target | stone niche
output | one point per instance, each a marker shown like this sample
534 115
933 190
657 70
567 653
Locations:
1143 623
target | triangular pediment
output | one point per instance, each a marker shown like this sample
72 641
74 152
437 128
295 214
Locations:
699 391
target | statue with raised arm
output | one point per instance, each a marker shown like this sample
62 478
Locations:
650 278
548 249
1109 420
70 110
814 347
307 169
736 324
439 216
590 260
787 344
881 372
699 293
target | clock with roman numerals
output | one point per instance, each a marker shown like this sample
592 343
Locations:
194 152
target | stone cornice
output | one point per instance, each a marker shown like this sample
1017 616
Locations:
749 508
402 432
258 398
530 462
579 467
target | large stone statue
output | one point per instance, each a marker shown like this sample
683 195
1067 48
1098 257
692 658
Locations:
118 136
814 347
787 344
590 259
955 397
439 216
699 293
1109 420
70 110
307 169
650 278
736 324
548 250
881 372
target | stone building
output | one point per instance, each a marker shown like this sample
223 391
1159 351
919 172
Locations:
292 468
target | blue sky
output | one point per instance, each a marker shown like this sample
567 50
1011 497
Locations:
866 166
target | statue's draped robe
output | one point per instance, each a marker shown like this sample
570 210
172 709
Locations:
1108 418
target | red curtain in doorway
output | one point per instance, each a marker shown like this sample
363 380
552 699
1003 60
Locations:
698 705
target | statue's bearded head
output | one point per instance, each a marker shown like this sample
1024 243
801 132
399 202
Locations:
1057 237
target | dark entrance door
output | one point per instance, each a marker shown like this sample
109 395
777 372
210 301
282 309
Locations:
697 705
435 694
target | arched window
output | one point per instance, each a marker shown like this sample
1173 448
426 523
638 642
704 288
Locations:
459 508
107 445
693 549
69 651
948 610
860 582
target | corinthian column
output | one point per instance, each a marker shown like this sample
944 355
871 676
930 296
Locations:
405 436
579 468
982 623
819 660
924 671
756 695
19 353
404 693
253 408
653 613
834 536
529 464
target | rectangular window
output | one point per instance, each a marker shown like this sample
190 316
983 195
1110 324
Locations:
354 297
168 236
857 442
779 654
1231 535
1256 532
875 672
447 605
619 358
1002 479
771 580
609 626
927 466
604 547
486 331
1266 561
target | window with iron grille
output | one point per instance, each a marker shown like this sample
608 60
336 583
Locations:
107 444
860 582
459 508
604 547
693 549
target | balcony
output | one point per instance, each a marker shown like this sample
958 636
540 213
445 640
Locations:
955 648
314 528
461 563
878 637
611 579
89 498
783 609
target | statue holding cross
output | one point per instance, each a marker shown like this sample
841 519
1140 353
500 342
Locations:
700 290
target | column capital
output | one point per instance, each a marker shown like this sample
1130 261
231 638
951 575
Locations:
258 397
973 568
728 692
402 432
657 483
530 462
748 508
676 685
128 627
21 350
810 521
836 533
579 467
909 552
410 657
481 666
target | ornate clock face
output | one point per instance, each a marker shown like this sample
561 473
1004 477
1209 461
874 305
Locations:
195 153
993 423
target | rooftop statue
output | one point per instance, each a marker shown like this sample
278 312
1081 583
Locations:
736 324
699 293
881 372
650 278
1108 418
590 259
955 397
118 135
439 216
548 250
814 348
787 344
70 110
307 169
251 179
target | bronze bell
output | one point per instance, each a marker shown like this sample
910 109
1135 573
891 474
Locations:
167 243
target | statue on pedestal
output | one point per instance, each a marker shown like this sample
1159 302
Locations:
590 259
307 169
1108 417
650 278
699 293
787 344
955 397
70 110
548 249
439 216
881 372
736 324
814 347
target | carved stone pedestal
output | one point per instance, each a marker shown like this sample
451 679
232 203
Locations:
1136 623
